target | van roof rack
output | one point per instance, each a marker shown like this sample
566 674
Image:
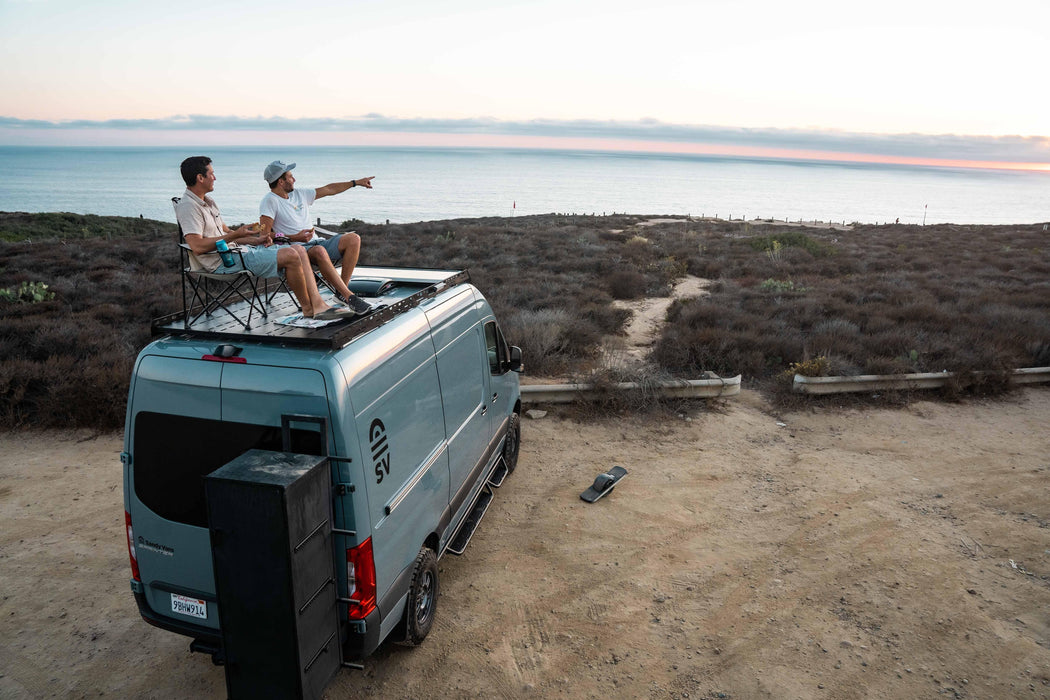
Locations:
399 288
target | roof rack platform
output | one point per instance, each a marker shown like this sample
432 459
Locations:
399 288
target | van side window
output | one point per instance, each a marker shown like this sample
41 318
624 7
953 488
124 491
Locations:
495 348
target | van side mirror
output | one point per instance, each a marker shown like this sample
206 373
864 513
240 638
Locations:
514 364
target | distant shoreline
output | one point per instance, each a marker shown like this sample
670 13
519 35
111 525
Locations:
415 184
641 220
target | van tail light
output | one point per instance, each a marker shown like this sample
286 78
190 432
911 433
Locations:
131 548
361 580
226 353
216 358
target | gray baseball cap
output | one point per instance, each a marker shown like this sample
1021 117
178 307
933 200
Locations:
274 170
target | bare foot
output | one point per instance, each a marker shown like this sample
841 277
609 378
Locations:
321 308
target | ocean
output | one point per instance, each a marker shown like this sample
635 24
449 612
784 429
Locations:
419 184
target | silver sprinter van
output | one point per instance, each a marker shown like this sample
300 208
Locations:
415 407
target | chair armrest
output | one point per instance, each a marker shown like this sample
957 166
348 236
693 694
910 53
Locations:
237 250
325 233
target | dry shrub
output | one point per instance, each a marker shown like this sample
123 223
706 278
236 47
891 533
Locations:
688 352
626 284
888 365
836 336
606 319
549 339
606 400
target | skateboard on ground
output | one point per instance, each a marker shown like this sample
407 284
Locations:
603 484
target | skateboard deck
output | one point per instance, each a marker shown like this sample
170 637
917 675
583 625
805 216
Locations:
603 484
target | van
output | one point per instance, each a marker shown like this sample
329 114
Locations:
416 407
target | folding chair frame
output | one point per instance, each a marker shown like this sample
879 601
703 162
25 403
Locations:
235 285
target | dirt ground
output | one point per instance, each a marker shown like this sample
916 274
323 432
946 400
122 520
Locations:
832 554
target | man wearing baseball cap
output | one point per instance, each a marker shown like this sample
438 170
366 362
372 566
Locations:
202 227
284 214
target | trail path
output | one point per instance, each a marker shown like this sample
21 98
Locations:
648 318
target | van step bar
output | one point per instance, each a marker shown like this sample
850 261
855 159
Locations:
470 524
499 474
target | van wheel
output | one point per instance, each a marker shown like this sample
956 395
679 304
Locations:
513 443
422 598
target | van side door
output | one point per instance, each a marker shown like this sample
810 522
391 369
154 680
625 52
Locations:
463 392
463 372
502 382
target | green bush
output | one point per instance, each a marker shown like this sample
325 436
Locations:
781 286
27 292
791 239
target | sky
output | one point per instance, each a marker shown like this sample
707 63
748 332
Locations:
922 81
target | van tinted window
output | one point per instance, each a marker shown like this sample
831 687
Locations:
173 454
496 348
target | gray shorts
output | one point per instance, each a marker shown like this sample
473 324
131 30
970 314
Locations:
329 244
261 261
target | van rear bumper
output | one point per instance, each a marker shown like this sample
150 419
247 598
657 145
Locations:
205 634
360 644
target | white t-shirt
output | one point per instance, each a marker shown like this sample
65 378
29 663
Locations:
292 215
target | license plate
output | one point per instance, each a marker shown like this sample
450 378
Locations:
194 607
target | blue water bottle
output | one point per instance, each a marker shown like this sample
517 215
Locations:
224 253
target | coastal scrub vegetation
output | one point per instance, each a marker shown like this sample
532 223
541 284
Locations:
75 311
20 226
871 300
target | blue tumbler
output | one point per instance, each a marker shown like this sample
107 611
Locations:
224 252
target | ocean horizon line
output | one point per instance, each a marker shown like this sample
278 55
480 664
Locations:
428 183
844 162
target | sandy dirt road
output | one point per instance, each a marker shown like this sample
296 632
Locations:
835 554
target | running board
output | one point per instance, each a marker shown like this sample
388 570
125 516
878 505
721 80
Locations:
498 474
471 522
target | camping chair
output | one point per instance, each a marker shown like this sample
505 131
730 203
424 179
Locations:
211 291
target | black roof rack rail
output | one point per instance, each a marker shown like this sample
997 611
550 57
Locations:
333 336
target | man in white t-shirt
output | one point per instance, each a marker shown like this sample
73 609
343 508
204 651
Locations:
202 227
284 215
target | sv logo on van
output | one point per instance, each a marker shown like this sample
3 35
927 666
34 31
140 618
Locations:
380 450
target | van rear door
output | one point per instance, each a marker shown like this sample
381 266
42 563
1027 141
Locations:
189 417
172 402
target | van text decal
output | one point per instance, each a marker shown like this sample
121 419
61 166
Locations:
155 547
380 451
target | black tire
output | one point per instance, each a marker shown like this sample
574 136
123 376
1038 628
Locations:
422 598
512 444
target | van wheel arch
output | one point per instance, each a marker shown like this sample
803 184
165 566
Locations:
421 606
